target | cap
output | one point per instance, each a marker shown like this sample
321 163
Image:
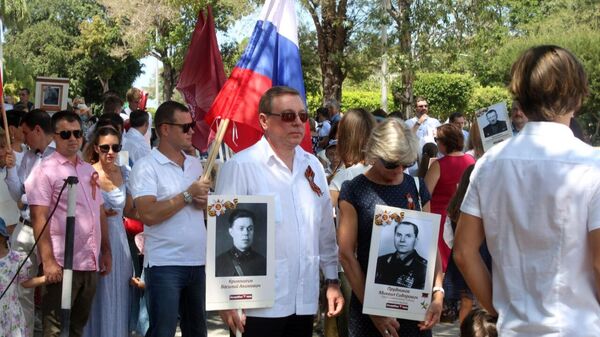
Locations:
3 230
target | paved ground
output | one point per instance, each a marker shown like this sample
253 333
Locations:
216 328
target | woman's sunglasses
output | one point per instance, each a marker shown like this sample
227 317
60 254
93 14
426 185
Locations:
389 165
105 148
290 116
67 134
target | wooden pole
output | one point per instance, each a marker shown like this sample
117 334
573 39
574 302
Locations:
212 156
5 122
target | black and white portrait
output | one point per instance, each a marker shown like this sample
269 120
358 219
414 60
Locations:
51 95
494 124
404 267
241 242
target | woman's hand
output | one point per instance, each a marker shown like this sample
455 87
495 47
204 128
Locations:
387 326
432 316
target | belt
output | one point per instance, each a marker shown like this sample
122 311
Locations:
25 222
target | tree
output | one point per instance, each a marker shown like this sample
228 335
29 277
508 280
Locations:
163 28
332 27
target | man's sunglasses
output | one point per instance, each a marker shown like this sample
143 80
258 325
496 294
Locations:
389 165
184 127
67 134
105 148
290 116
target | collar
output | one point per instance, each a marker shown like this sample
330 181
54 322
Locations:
63 160
408 257
134 133
300 155
546 129
238 254
163 160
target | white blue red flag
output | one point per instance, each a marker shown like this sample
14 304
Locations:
272 58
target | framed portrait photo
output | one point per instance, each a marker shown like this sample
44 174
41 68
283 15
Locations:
401 263
51 94
240 258
494 125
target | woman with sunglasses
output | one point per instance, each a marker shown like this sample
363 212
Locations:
443 176
391 148
110 312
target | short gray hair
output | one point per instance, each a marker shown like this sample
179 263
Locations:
332 103
394 142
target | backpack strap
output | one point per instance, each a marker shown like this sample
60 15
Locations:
418 186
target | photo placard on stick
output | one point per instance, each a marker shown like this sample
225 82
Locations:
240 257
494 125
401 263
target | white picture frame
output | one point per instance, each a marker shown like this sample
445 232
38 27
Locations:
51 94
225 288
499 131
401 292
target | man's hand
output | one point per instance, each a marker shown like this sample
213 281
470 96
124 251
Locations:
105 263
233 320
10 159
423 118
335 300
52 271
199 191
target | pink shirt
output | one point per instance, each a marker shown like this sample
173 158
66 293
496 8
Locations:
43 186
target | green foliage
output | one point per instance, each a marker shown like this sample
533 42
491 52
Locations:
352 98
485 96
445 93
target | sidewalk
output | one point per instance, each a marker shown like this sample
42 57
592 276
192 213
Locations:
216 328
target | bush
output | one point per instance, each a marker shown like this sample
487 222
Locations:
485 96
368 100
445 93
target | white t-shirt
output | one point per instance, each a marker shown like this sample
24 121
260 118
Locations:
347 174
181 239
538 195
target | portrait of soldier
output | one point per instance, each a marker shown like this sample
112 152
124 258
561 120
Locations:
405 267
241 260
495 126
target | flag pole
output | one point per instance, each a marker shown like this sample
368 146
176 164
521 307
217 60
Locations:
212 156
4 119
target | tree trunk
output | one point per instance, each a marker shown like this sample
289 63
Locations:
332 34
401 16
169 76
104 84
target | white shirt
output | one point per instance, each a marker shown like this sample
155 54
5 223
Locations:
16 176
538 195
426 131
181 239
324 128
347 174
304 230
135 144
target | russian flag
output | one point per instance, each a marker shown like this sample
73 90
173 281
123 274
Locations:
271 58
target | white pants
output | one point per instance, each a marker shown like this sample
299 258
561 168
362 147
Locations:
22 240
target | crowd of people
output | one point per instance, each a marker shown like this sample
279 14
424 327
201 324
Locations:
517 253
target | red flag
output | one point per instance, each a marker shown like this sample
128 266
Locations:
202 76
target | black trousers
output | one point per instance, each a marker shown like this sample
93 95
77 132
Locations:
290 326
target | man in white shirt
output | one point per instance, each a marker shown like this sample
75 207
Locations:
170 199
133 141
536 200
424 127
37 133
304 234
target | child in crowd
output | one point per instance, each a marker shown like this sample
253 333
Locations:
479 323
12 323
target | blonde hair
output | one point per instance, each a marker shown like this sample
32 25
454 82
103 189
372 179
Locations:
133 94
475 142
394 142
548 81
353 133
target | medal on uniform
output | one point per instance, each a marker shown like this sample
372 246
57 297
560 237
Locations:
310 176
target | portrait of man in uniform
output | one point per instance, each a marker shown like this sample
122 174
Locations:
241 259
404 267
495 126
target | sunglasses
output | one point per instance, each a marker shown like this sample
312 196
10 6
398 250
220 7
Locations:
184 127
389 165
105 148
67 134
290 116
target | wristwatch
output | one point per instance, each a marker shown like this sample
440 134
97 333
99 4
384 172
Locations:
332 281
187 197
436 289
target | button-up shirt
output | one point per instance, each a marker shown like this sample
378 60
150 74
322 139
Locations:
135 144
181 239
43 186
538 195
426 131
16 176
304 230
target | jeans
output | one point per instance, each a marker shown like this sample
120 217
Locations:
173 291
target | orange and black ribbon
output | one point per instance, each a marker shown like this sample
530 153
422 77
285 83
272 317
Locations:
310 176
